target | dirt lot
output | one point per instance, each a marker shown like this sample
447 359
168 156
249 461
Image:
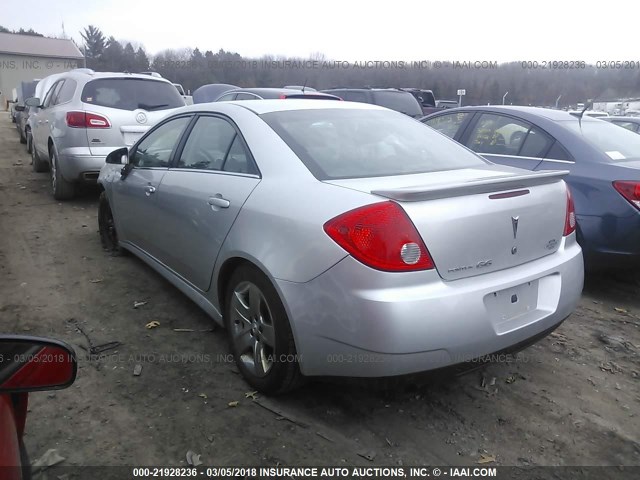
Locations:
573 399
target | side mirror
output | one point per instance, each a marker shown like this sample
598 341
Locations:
32 102
118 157
29 364
19 108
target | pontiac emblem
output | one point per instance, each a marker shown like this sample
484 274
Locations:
514 224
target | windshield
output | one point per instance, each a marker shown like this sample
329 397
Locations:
336 143
399 101
617 143
131 94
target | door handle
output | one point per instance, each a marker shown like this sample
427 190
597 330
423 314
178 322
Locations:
218 201
149 189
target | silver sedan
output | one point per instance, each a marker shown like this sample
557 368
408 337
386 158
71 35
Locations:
343 239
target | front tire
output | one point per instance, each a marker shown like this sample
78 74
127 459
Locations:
27 134
259 333
107 227
61 188
37 164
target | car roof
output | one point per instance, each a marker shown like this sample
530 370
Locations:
271 105
524 112
87 74
273 91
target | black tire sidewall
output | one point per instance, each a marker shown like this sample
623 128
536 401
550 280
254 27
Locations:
104 209
278 378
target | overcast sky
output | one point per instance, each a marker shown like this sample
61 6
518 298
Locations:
354 30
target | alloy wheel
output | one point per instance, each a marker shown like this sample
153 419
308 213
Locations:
252 329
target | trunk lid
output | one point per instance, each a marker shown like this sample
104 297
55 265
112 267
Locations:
127 126
476 221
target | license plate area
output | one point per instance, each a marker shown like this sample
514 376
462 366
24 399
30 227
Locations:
507 306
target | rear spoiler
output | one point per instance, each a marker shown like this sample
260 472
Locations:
484 185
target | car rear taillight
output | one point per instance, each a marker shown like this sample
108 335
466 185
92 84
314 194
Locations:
570 219
87 120
630 191
381 236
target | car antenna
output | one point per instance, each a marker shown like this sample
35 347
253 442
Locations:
304 85
588 104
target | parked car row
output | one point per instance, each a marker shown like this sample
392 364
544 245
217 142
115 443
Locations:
342 238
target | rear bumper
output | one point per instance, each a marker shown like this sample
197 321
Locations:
77 164
611 241
358 322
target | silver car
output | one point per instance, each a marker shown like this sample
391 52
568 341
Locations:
85 115
337 238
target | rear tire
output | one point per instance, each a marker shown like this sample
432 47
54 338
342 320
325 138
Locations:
107 227
259 333
23 138
61 189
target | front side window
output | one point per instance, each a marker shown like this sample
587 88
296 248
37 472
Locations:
355 143
448 124
52 93
154 151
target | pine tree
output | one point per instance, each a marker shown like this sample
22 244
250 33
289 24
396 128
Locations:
94 45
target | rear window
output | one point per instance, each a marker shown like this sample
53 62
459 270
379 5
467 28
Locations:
617 143
336 143
402 102
131 93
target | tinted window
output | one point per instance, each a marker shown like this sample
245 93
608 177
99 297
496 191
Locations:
226 97
615 142
497 134
66 92
131 93
627 125
246 96
155 149
337 143
238 160
448 124
558 152
208 144
353 96
535 144
399 101
52 93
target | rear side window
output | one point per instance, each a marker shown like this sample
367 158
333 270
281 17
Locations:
402 102
207 145
354 143
66 92
448 124
558 152
131 94
535 144
498 134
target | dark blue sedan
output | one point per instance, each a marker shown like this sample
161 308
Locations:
604 161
